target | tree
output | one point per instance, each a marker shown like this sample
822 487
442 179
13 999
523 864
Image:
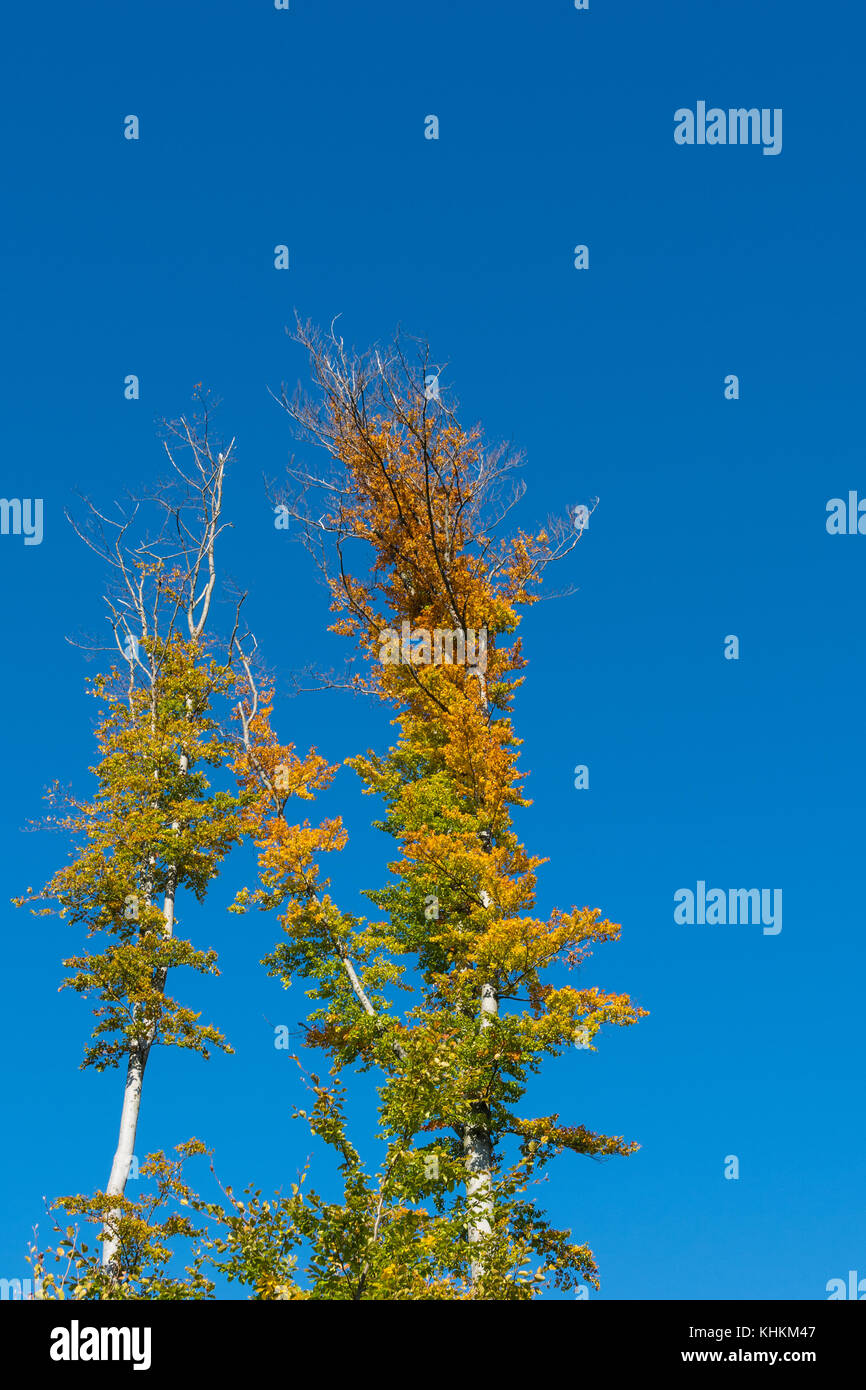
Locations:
153 826
403 524
432 602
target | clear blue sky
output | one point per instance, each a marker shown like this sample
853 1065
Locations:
155 257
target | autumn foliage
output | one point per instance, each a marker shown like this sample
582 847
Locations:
444 989
452 991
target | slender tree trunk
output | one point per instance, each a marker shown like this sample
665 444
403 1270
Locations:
136 1063
477 1139
478 1148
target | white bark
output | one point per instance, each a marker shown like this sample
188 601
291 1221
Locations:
126 1140
478 1149
477 1139
139 1051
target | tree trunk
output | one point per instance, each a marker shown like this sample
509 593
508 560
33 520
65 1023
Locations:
478 1148
121 1164
477 1139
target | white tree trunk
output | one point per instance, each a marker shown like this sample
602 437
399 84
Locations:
120 1167
477 1139
478 1148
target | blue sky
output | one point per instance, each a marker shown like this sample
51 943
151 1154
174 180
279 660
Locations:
156 257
